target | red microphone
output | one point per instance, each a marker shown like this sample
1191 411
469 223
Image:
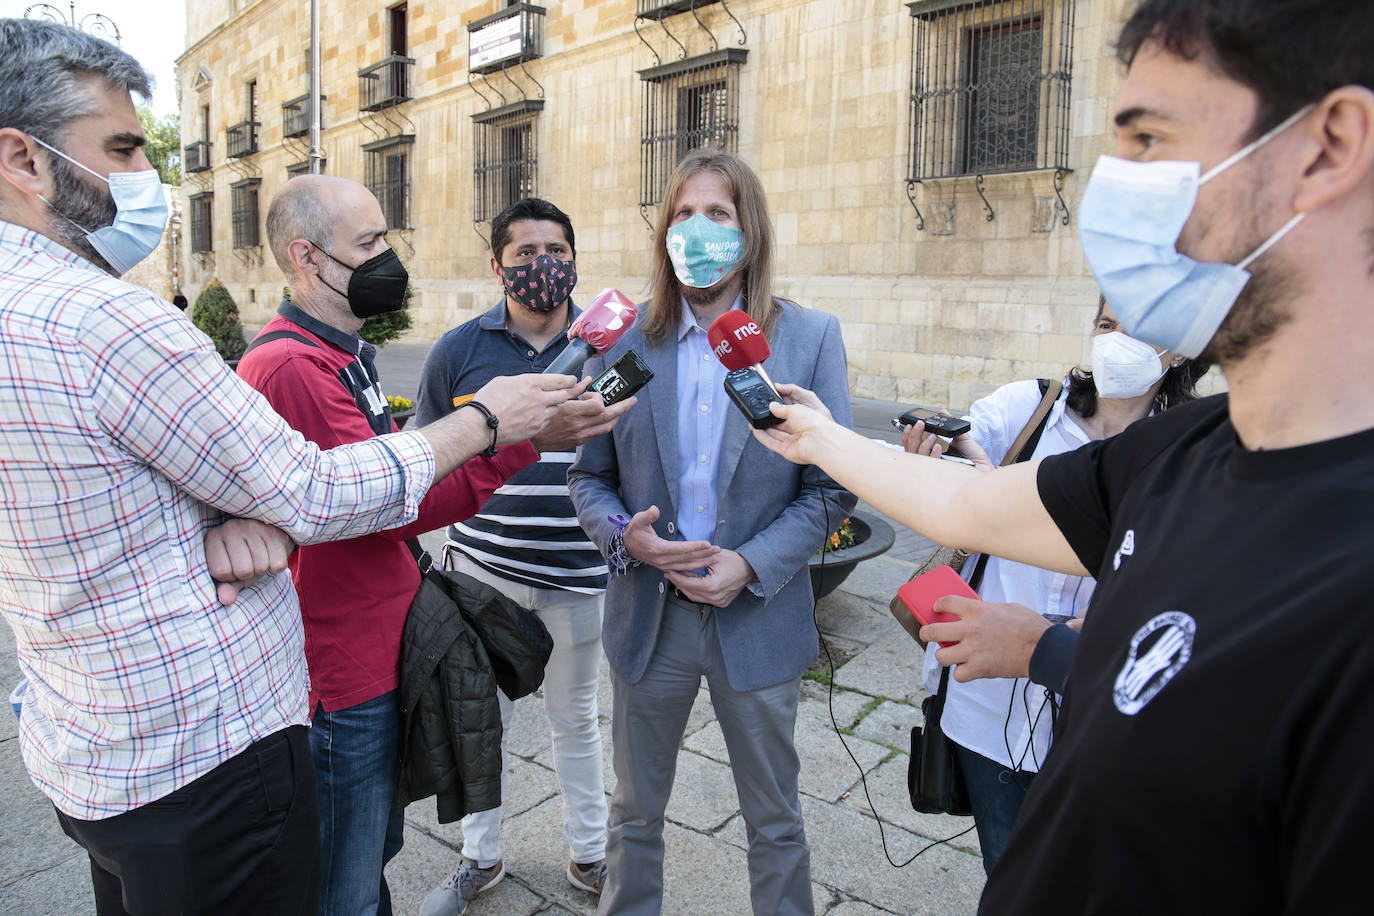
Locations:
595 331
739 344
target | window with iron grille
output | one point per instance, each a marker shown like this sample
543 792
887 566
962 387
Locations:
303 168
504 159
295 116
244 209
387 176
202 225
990 84
688 104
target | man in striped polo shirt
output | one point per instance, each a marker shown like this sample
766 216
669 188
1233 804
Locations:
526 541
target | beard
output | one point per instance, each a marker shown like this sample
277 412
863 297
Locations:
80 208
1259 311
697 296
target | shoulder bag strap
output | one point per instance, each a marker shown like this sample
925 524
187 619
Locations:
1029 436
1021 449
278 335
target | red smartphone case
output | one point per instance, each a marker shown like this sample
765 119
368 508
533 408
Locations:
920 594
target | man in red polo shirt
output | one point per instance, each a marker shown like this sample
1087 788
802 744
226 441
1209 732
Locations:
328 235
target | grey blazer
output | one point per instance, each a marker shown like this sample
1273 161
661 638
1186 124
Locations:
774 513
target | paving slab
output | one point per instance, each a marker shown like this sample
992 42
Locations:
888 793
817 699
847 856
31 841
60 889
704 795
890 724
853 617
891 668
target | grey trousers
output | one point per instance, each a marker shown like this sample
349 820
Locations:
647 724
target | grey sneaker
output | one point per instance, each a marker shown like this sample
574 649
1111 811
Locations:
451 897
590 878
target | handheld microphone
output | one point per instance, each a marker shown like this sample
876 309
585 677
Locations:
739 344
595 331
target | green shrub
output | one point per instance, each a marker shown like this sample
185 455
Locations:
216 315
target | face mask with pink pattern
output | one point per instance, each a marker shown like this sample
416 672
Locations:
541 285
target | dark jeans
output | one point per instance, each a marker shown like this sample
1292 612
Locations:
357 752
243 838
996 794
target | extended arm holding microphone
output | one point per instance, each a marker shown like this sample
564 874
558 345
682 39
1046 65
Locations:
595 331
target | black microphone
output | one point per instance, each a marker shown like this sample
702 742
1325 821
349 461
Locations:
739 344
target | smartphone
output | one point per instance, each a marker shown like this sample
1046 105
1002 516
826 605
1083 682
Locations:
936 422
920 594
622 378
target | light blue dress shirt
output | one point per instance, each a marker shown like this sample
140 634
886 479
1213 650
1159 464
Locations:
701 411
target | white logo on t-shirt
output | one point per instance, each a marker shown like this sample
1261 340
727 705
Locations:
1126 549
374 401
1145 675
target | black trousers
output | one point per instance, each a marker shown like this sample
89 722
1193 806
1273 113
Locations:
243 838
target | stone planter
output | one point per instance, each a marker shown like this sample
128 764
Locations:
401 416
872 536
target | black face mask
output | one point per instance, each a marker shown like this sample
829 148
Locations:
377 285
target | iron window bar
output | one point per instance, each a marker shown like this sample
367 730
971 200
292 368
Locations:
202 223
385 83
244 212
990 91
242 139
387 173
505 164
688 104
196 156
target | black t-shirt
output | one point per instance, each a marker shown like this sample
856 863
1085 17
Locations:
1216 748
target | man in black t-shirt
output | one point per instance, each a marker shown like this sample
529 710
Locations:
1218 720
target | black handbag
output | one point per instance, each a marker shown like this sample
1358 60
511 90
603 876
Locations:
934 777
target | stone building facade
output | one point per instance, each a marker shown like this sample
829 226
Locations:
923 160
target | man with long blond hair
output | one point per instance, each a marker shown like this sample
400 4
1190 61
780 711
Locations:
708 536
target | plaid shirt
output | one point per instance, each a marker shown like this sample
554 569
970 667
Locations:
123 438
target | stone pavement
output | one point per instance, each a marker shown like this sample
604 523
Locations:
876 699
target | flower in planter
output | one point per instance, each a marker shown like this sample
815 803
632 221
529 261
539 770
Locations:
841 538
398 403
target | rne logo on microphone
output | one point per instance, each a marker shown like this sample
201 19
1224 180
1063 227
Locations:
747 330
722 348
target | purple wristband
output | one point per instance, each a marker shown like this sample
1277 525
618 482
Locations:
618 559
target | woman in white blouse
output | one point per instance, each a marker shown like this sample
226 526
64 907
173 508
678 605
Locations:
1001 727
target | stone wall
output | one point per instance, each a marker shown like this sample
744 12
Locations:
938 316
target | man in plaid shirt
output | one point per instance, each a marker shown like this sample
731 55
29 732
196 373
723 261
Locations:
167 730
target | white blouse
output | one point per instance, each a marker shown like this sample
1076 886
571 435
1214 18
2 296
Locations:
976 713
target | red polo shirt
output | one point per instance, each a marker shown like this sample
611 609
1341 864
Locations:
354 594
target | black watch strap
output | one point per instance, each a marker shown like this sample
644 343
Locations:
492 424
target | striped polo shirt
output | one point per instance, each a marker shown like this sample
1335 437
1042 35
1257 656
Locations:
527 532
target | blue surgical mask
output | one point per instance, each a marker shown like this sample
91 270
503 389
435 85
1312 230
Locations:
703 251
1129 223
140 216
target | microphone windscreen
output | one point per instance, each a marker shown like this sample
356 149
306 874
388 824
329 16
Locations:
737 340
605 321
